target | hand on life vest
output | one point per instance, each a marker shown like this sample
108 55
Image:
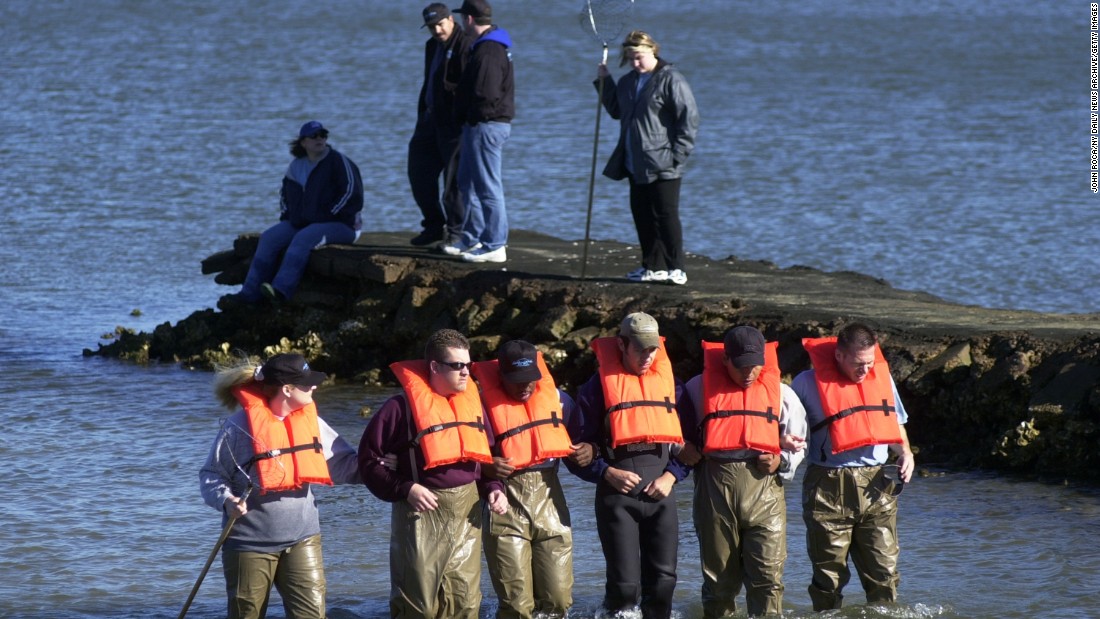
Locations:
689 454
389 461
661 487
582 454
790 442
498 502
623 481
421 499
499 469
235 507
767 463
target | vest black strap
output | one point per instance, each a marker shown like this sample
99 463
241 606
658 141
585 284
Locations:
885 408
554 419
666 403
275 453
439 427
768 414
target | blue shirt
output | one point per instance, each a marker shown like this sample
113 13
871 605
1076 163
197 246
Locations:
820 444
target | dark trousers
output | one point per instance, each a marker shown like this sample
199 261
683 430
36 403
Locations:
656 210
433 151
640 538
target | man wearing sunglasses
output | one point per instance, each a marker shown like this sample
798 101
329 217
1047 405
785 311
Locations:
436 427
856 421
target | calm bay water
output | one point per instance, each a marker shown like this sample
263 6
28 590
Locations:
940 145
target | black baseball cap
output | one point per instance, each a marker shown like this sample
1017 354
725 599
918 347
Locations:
435 13
518 361
475 8
744 346
290 369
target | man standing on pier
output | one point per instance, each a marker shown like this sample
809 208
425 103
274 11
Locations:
849 497
486 104
433 149
435 427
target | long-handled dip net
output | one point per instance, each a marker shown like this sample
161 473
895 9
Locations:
605 20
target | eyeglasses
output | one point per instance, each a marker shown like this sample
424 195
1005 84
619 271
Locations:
457 366
318 136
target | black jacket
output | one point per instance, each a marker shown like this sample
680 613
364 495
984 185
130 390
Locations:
487 91
447 78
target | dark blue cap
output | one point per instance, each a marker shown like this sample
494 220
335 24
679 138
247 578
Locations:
311 128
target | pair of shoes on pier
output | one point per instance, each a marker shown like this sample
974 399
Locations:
642 274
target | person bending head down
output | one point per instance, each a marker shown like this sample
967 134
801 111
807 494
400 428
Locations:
639 340
855 351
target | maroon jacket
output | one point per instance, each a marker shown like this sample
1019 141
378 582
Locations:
389 431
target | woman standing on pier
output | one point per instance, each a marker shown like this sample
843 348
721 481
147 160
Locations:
658 121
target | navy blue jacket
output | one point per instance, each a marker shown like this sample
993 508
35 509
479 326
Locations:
333 193
447 77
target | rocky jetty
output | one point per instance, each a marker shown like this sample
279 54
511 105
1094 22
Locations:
998 389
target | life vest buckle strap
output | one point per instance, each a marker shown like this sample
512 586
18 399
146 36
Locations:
315 445
529 425
665 404
768 414
439 427
885 408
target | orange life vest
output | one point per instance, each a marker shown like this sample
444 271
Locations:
735 417
857 414
448 429
288 451
640 409
527 432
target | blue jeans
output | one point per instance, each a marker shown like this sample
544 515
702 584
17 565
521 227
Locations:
481 185
298 243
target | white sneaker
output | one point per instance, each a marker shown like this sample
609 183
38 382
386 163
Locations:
636 274
486 255
457 250
678 277
653 276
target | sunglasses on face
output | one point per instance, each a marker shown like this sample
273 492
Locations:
318 136
457 366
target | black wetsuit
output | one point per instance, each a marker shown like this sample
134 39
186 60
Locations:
639 535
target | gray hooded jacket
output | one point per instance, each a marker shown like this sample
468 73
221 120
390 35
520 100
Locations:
660 123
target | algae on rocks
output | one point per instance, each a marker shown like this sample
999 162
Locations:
1000 389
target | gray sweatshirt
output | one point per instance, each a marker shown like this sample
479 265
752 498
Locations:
277 520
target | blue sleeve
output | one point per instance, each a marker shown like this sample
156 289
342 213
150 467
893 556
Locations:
574 421
590 406
685 408
674 466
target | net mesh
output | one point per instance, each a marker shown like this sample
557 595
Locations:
606 19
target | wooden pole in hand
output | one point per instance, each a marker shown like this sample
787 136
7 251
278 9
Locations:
210 559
